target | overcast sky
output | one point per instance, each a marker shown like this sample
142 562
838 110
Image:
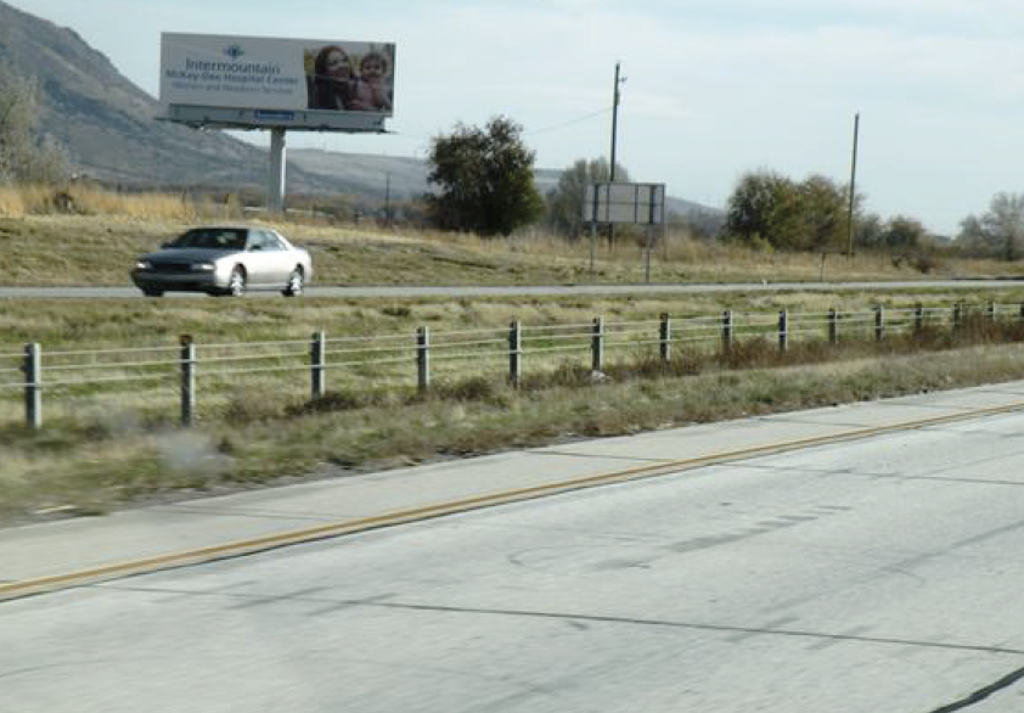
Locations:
714 88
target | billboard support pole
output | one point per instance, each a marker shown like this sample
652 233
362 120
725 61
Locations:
853 183
649 240
275 196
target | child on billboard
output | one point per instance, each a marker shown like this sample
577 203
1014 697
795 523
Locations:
372 91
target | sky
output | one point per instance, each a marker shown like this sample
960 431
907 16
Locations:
713 88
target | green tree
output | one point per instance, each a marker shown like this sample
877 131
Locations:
484 179
759 207
771 210
903 233
565 200
25 156
823 214
869 231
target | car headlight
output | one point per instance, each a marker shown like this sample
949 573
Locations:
203 267
143 265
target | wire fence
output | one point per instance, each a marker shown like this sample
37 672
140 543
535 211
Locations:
165 377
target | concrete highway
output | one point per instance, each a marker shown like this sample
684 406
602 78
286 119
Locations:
486 291
882 574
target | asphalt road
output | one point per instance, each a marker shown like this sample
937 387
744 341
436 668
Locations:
484 291
883 574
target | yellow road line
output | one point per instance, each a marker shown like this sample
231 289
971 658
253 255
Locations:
250 546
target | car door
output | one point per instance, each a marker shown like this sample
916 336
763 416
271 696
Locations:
280 262
259 260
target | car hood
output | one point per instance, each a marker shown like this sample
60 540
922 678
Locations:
186 254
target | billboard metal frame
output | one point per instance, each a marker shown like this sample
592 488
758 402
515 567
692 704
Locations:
218 117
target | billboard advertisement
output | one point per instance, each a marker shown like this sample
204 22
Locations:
274 79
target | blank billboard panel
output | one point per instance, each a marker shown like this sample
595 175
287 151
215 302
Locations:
640 203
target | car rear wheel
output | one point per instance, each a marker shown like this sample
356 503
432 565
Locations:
296 283
150 292
236 283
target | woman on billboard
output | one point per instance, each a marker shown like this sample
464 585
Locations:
333 84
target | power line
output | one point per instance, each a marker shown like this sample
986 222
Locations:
546 129
571 122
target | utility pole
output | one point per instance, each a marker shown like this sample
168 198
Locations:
615 125
615 117
853 183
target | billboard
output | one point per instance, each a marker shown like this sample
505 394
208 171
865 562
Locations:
267 81
642 203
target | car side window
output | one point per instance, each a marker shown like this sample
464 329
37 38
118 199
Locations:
237 240
257 241
228 240
272 242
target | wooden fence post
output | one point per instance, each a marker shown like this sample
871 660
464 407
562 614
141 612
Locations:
879 323
515 351
318 364
783 330
32 369
833 327
188 380
665 338
423 358
727 330
597 345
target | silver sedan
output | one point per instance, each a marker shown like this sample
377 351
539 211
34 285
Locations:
225 260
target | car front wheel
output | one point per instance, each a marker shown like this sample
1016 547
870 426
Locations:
296 283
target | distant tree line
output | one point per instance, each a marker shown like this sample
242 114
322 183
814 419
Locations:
483 179
484 184
998 232
770 211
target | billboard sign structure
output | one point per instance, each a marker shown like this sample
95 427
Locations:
265 82
638 203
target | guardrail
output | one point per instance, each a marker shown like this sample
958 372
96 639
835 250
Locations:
404 356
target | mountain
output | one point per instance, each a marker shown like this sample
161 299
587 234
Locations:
108 124
365 174
109 127
402 178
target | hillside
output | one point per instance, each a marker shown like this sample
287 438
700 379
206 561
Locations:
108 124
365 174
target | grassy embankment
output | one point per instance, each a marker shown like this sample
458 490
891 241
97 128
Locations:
102 448
96 243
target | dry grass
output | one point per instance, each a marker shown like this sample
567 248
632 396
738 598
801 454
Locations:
88 200
82 235
91 466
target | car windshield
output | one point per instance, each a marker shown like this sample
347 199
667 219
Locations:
214 238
